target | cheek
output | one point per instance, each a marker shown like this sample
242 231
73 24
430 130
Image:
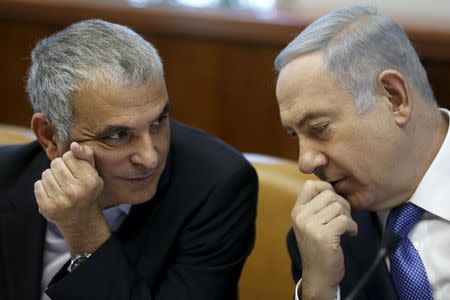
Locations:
110 165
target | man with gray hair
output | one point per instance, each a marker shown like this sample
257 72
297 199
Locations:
114 200
352 91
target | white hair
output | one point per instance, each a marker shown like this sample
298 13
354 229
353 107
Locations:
93 52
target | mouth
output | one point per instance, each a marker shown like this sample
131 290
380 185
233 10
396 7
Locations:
140 178
339 184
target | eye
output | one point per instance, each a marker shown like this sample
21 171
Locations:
319 129
293 135
117 135
116 138
156 125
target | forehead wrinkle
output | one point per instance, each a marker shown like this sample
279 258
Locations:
307 78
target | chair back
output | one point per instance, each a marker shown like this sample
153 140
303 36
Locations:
267 271
13 134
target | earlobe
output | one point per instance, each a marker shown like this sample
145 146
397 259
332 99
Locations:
394 87
46 135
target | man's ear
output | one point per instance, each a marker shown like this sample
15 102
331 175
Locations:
46 135
394 87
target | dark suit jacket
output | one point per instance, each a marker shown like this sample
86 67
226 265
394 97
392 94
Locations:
359 253
188 242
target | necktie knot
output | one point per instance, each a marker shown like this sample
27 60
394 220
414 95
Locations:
402 218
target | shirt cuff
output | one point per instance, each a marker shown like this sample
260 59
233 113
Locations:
299 283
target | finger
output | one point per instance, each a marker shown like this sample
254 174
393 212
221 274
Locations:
320 201
343 224
61 172
325 198
83 152
331 211
309 190
39 191
41 196
51 186
79 168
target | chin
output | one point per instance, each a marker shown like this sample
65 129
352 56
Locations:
139 197
357 202
129 196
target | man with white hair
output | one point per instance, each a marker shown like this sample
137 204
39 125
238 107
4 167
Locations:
114 200
352 91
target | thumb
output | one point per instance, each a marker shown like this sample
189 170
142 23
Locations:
83 152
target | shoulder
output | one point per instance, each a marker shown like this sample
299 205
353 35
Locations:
196 150
13 154
17 160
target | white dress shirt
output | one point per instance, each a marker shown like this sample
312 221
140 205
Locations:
431 235
56 250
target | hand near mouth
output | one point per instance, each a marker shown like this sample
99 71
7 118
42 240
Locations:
67 195
320 217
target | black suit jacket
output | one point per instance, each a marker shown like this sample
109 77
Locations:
189 241
359 253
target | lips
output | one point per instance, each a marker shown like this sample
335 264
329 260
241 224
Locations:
140 178
339 184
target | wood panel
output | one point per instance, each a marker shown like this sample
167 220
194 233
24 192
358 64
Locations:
218 63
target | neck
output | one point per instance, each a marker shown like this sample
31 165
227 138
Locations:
431 131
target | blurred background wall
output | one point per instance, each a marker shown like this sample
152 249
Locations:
218 54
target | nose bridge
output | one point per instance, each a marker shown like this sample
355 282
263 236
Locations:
310 156
144 152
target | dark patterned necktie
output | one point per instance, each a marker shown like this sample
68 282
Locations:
407 271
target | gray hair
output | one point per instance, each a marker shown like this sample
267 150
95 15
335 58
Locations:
93 52
357 44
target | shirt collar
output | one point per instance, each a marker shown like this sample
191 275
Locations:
112 214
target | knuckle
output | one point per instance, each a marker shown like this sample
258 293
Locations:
328 194
309 184
68 158
298 216
343 218
91 182
54 163
300 225
296 219
46 174
67 155
294 216
70 192
309 227
37 184
319 235
64 203
337 206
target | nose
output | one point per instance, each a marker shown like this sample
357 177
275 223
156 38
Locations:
144 152
310 158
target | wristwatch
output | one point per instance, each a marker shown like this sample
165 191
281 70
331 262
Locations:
76 261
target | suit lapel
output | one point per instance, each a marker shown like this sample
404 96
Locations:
360 252
22 235
142 228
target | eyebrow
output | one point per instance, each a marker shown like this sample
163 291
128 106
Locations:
115 128
307 118
108 130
